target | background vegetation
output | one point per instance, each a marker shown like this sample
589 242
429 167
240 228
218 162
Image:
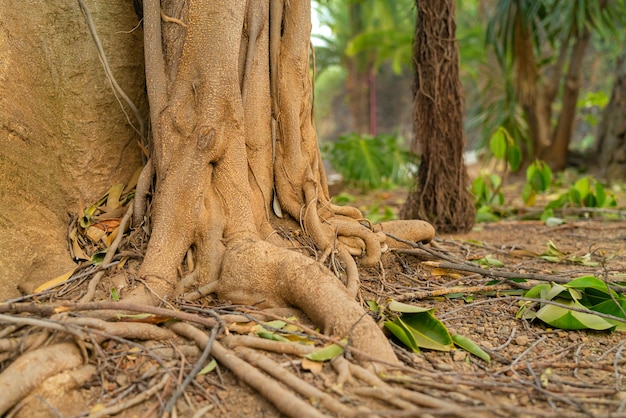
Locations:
523 64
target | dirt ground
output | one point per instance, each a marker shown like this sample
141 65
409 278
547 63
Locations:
535 371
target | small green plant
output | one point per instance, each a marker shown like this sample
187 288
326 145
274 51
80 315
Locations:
487 187
370 162
377 212
503 147
538 180
586 192
487 192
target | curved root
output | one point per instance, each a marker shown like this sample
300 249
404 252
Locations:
258 273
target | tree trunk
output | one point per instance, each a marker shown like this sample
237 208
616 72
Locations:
441 192
236 156
611 148
558 150
64 139
358 84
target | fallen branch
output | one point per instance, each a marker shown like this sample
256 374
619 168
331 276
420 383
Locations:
285 401
305 389
142 397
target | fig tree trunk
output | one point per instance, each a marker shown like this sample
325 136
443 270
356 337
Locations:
440 194
236 159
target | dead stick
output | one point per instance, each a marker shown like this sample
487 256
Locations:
300 386
143 396
50 309
452 290
285 401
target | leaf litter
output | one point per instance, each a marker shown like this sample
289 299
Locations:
471 284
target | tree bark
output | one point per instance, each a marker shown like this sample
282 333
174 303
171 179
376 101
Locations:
236 160
611 148
441 191
64 138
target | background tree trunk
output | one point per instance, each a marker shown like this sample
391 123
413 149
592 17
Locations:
441 193
64 139
611 148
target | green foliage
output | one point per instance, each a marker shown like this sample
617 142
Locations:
586 293
538 180
503 147
590 106
370 162
377 212
417 327
486 190
586 192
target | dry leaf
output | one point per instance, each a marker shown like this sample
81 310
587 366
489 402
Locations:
94 233
115 192
523 253
56 281
446 273
312 366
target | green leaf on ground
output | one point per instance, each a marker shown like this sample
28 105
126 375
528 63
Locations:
418 328
471 347
326 353
564 318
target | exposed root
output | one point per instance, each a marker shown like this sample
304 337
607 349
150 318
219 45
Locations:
32 368
306 390
249 266
284 400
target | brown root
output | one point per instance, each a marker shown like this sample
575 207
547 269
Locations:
258 273
409 230
32 368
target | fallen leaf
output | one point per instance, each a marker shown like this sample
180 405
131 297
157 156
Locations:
56 281
327 353
114 194
312 366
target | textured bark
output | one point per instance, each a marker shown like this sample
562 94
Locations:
441 193
64 139
235 150
611 149
558 150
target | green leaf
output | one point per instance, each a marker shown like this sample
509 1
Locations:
563 318
471 347
539 291
514 156
373 306
427 331
406 308
490 262
403 334
539 176
208 368
115 294
326 353
555 291
585 282
272 336
498 144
